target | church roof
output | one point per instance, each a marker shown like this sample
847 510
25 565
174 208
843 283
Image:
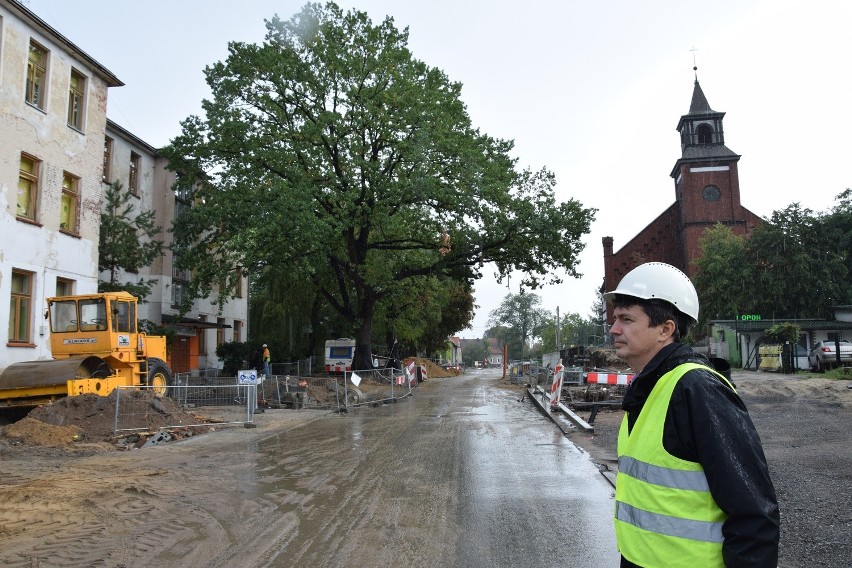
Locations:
705 151
699 104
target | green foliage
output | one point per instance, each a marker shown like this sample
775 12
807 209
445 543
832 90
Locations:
331 154
794 265
722 275
522 317
838 239
782 333
127 243
573 330
422 313
235 356
474 351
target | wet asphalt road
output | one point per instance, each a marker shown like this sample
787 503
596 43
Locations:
460 474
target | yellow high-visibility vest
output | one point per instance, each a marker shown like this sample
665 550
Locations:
665 515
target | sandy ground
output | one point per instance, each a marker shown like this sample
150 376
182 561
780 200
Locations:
69 482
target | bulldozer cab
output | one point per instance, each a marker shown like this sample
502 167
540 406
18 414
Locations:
91 324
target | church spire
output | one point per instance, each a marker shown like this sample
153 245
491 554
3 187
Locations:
699 104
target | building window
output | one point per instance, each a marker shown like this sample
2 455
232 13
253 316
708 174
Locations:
64 287
220 331
69 205
183 200
238 331
238 290
180 282
106 174
20 307
76 100
134 173
202 336
27 188
36 76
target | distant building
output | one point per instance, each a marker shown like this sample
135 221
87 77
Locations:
707 192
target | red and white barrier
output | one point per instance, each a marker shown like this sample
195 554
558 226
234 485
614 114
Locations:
609 378
423 374
557 385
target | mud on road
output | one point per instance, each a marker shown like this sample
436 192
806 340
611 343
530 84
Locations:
84 504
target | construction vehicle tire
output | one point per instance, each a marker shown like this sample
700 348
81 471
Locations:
159 377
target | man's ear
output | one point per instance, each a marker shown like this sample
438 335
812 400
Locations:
667 330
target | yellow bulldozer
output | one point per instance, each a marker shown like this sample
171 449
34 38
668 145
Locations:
96 348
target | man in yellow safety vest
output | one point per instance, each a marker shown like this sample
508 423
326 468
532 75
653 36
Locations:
693 486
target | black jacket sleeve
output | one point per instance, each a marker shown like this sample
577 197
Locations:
707 422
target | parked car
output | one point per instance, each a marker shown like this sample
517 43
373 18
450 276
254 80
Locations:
823 356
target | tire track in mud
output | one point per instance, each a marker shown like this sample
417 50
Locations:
116 517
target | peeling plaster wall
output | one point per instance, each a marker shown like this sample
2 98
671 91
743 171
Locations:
40 247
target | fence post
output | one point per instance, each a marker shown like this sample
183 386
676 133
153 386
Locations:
115 422
251 401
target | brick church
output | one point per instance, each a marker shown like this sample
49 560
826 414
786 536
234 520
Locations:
707 191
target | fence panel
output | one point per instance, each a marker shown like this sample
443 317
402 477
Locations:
129 417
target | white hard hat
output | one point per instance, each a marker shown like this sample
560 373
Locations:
264 344
661 281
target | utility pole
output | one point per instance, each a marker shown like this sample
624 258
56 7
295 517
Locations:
558 330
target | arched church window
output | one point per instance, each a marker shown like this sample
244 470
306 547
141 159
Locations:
705 134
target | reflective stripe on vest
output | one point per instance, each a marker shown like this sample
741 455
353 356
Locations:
703 531
674 478
664 513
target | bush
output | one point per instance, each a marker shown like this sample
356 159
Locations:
235 357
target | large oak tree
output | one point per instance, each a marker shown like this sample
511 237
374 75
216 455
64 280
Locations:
331 154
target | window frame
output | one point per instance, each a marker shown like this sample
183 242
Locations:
31 177
220 331
106 174
133 176
67 284
73 194
202 336
35 91
15 299
236 334
77 100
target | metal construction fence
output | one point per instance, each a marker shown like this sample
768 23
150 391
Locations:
238 402
134 417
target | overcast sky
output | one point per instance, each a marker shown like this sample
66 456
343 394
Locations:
590 90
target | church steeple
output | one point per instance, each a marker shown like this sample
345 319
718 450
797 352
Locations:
702 135
699 103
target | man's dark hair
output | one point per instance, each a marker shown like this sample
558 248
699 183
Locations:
658 312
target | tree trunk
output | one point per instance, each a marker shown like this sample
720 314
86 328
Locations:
363 359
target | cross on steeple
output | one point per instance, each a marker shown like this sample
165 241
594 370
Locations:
694 64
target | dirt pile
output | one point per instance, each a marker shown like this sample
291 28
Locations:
605 358
435 371
91 418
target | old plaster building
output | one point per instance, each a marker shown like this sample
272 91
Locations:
53 102
58 153
707 192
